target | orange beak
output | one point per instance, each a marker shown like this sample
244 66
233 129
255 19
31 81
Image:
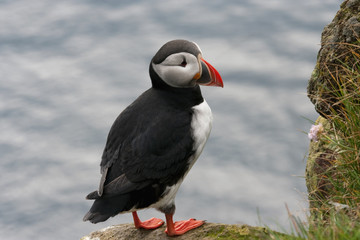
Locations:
210 76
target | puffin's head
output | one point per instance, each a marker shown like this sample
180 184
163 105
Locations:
179 64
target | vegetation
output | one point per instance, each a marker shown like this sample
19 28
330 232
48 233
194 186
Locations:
335 208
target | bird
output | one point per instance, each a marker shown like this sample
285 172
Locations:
156 140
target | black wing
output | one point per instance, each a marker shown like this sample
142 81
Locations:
150 142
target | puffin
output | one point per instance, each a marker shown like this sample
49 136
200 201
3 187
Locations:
156 140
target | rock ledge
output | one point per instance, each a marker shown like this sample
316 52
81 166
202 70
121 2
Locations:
207 231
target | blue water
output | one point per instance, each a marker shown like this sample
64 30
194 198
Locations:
68 68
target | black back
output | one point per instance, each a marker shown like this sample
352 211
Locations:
151 139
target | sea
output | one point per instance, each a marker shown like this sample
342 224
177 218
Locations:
68 68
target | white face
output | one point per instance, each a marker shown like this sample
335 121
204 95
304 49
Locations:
179 70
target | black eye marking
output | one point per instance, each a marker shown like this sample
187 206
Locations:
183 63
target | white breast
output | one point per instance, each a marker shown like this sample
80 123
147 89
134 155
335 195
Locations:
201 127
201 124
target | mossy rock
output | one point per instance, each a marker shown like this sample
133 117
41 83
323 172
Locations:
340 43
337 60
319 161
206 232
322 172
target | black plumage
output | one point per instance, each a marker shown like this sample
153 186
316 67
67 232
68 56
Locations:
147 149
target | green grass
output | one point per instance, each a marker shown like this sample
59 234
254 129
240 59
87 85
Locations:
339 227
343 138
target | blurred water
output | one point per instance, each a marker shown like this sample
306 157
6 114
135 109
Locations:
68 68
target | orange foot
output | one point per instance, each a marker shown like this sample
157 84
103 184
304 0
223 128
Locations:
181 227
148 224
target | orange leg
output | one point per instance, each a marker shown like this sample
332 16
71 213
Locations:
148 224
180 227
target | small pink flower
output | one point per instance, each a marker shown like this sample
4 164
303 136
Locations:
315 131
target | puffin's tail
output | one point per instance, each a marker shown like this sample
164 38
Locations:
106 207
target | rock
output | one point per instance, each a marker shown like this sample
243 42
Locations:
206 232
337 48
320 160
337 63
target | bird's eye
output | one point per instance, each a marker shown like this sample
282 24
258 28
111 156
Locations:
183 63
